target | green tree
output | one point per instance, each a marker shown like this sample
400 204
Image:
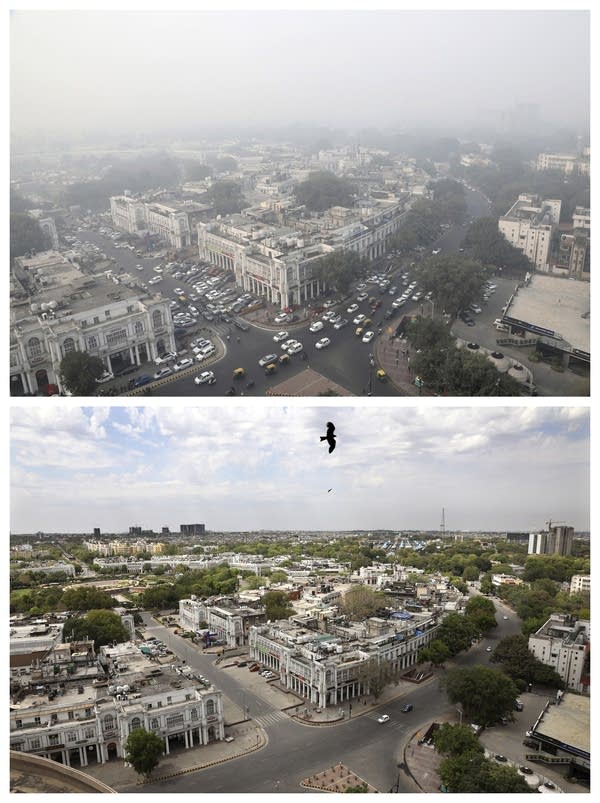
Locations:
360 602
436 652
143 750
454 740
485 694
226 197
338 269
278 576
376 675
86 598
481 611
470 573
360 788
454 280
104 627
323 189
25 235
471 772
457 632
78 371
512 652
277 605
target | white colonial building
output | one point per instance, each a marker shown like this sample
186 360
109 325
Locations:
564 644
222 617
79 721
329 667
56 309
139 217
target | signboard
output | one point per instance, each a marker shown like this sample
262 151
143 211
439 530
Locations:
538 330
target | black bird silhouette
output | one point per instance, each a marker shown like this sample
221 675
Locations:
330 437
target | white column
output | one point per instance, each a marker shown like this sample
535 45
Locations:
166 745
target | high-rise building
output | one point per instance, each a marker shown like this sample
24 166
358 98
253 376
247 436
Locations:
528 225
191 529
557 540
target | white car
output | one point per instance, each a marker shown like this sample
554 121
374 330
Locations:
328 315
163 372
178 291
322 343
316 326
436 251
280 336
139 267
282 318
352 308
205 378
475 308
170 355
105 377
295 348
267 359
368 336
359 319
185 363
285 346
155 280
383 718
362 296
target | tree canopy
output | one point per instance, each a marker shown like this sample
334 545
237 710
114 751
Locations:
143 750
485 694
104 627
25 235
79 371
226 196
360 602
471 772
323 189
338 269
454 280
454 740
512 652
277 605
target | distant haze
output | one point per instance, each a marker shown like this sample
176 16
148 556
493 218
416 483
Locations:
146 72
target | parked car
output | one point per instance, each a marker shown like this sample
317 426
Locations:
205 378
163 372
105 377
184 363
316 326
406 708
280 336
322 343
170 355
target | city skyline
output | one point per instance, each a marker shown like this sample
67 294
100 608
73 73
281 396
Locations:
263 468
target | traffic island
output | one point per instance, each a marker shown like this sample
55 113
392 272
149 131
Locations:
337 779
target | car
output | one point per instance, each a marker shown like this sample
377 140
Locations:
316 326
295 348
473 346
475 308
362 296
549 785
282 318
163 372
322 343
285 346
105 377
359 319
368 336
205 378
470 322
141 380
155 280
406 708
436 251
228 739
488 649
500 758
505 617
491 286
280 336
383 718
341 323
179 291
335 318
170 355
526 770
185 363
417 296
328 315
139 267
362 286
352 308
267 359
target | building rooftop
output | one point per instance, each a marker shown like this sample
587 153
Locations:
568 722
557 304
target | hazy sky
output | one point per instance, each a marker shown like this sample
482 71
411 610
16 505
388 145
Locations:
145 71
262 466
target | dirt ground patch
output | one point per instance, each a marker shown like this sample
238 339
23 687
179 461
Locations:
336 779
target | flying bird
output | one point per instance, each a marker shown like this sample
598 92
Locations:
330 437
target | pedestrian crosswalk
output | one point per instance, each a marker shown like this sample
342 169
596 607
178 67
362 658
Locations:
271 718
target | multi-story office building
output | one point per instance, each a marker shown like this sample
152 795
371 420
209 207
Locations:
56 309
84 714
564 644
580 583
567 163
228 621
528 225
128 214
329 667
556 540
192 529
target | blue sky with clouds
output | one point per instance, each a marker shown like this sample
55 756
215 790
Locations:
244 467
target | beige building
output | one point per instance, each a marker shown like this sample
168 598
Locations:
528 225
580 583
564 644
567 163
